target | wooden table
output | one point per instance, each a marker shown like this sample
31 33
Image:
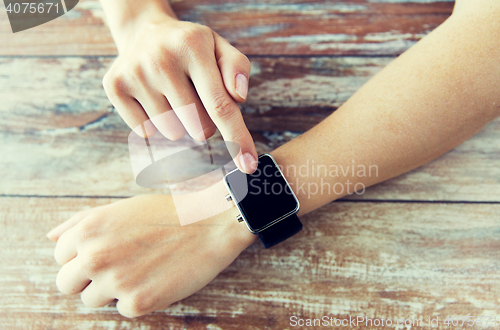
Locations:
425 244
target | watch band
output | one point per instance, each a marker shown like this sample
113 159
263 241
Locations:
280 231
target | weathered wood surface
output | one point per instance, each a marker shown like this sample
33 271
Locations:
382 259
402 260
61 136
360 27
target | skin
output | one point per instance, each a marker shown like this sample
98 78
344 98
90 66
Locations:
427 101
165 64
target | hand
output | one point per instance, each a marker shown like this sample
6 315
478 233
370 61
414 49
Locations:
166 64
135 251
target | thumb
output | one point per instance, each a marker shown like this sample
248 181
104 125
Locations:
234 67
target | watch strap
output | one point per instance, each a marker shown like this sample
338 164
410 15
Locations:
280 231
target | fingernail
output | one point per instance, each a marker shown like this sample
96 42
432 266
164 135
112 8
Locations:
242 85
248 162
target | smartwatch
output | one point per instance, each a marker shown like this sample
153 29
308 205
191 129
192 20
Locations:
265 200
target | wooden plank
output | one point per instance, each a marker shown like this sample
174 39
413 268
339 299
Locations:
59 136
390 260
294 94
290 94
352 27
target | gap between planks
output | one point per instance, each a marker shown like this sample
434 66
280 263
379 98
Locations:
336 201
392 55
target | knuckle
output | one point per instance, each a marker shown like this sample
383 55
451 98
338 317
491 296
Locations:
244 61
136 73
88 228
193 38
155 57
120 283
114 84
95 259
222 105
159 61
137 304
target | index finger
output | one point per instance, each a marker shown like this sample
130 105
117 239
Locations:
224 111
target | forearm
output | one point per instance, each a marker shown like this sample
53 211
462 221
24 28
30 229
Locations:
124 15
432 98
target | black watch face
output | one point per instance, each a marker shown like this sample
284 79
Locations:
263 196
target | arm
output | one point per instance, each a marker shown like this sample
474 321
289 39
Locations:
430 99
165 64
126 16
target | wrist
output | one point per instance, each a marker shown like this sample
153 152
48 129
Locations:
237 233
136 20
209 208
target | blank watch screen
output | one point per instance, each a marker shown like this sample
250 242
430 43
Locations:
262 196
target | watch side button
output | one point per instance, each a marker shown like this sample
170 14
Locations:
229 198
239 217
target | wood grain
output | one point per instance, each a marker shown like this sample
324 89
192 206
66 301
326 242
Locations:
352 27
59 135
399 252
286 94
391 260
